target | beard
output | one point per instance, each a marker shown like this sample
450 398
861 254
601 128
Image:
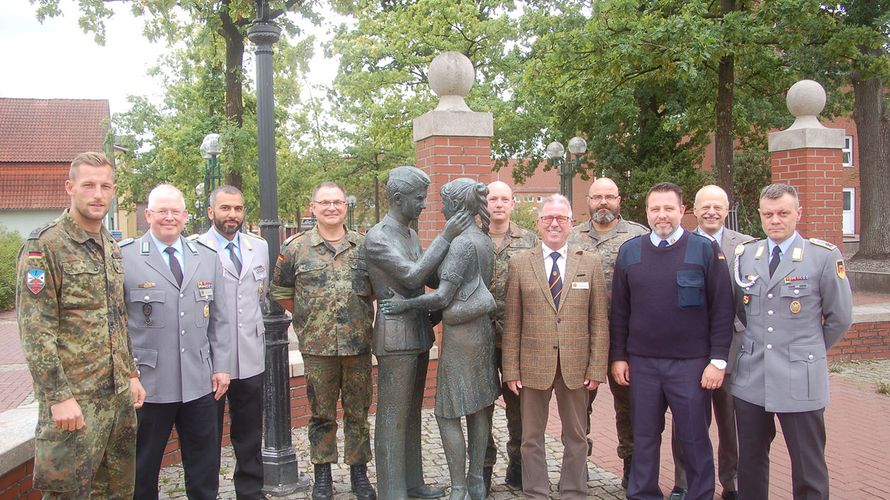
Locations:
604 217
222 229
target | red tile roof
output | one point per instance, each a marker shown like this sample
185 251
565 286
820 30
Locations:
51 130
28 186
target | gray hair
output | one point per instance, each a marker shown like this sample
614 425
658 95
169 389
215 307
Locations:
557 199
778 190
225 188
164 190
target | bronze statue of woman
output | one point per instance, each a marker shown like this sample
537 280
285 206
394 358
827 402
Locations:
467 383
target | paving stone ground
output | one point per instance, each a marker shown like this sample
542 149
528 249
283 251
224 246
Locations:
602 483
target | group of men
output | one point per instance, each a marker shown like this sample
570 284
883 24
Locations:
126 341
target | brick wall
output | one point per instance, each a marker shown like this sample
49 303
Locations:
863 341
16 483
818 176
445 159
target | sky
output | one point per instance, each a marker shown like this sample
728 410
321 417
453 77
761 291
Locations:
57 60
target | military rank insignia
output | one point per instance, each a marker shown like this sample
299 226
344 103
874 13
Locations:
841 270
35 280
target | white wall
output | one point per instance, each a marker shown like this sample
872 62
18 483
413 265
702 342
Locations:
25 221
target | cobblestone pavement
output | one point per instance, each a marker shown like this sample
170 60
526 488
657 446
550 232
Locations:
603 484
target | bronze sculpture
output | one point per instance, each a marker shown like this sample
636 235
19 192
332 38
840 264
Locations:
401 343
467 383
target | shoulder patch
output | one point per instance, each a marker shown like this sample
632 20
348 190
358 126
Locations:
40 230
205 245
822 243
125 242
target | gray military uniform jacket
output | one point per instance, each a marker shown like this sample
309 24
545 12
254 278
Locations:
180 335
249 290
732 239
791 321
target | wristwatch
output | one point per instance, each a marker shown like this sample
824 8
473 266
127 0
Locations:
719 363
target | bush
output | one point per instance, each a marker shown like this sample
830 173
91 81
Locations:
525 215
10 242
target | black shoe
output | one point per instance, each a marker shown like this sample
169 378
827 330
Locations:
358 476
626 477
678 493
486 476
426 491
323 489
514 475
730 495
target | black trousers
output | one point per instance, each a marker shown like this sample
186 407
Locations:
245 398
196 426
805 437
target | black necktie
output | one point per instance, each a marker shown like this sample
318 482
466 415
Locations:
663 244
174 265
235 260
555 280
774 260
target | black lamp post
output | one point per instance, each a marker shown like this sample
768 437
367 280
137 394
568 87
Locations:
280 468
556 153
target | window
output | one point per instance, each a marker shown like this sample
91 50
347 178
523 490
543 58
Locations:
517 198
848 151
540 199
530 198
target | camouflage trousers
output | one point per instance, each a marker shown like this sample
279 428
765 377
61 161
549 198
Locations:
97 461
621 402
332 378
514 424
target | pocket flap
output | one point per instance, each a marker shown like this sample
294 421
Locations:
809 353
791 291
311 266
690 278
80 267
147 295
747 345
147 357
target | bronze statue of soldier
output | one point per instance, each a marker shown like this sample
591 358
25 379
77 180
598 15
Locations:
467 383
397 265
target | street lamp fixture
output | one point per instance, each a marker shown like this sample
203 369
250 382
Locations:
350 212
567 166
210 150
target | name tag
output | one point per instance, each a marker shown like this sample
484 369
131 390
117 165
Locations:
580 285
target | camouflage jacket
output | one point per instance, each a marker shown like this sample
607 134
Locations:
606 244
516 240
71 313
331 291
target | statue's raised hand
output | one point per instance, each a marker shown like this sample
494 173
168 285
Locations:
395 304
457 225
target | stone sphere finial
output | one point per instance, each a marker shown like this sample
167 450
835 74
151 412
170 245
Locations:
451 75
805 100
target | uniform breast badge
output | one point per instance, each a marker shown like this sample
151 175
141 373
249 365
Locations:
206 310
746 299
146 311
795 306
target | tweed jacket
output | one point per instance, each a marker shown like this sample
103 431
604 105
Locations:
537 335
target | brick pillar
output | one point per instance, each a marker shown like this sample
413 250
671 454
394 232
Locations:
452 140
808 156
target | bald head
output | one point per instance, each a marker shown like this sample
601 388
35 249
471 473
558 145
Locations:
711 208
500 203
604 203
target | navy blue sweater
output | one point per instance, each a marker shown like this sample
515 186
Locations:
673 302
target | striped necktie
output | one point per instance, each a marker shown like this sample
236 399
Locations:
555 280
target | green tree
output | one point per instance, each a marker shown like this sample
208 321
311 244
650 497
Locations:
10 243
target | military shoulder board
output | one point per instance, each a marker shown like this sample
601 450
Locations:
822 243
125 242
40 230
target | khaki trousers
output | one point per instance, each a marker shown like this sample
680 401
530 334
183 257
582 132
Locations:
535 408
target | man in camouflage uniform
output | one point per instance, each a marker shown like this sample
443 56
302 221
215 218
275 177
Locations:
508 238
72 319
322 279
605 232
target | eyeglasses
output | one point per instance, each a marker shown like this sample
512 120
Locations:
599 197
331 203
548 219
167 213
